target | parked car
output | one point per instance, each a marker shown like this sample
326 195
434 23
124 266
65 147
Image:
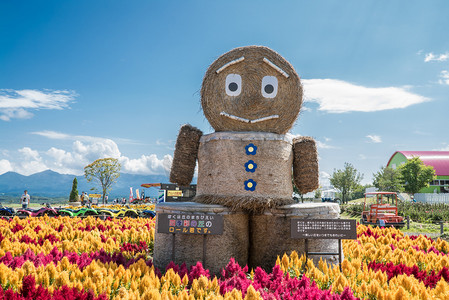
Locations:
329 199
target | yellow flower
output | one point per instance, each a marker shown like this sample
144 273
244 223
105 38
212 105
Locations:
251 294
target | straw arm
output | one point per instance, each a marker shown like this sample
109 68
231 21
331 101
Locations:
305 164
185 156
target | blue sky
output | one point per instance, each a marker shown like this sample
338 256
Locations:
81 80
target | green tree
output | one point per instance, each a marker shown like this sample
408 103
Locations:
106 171
415 175
74 193
388 180
346 180
359 191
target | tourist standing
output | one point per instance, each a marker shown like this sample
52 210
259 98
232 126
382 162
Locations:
25 199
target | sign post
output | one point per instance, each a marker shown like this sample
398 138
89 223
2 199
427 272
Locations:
339 229
190 223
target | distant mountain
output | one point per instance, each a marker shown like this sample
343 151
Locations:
52 184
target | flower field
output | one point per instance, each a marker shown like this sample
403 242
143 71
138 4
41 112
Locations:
89 258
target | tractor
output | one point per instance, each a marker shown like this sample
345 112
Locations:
382 213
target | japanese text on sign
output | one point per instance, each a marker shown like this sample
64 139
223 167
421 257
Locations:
323 229
193 223
174 193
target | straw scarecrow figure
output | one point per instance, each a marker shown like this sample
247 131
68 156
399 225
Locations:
251 96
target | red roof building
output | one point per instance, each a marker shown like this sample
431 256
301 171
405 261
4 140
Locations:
439 160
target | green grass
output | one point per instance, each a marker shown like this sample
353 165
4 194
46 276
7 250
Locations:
416 228
347 216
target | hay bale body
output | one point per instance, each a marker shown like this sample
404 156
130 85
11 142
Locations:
245 170
214 251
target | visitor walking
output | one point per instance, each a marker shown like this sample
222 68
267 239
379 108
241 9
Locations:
25 199
83 201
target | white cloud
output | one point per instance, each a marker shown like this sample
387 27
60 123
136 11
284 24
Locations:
336 96
435 57
325 175
65 162
147 164
324 178
445 147
30 162
29 153
444 77
374 138
321 145
52 135
97 149
5 166
419 132
18 104
305 108
84 150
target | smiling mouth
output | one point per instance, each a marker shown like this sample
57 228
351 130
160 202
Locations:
244 120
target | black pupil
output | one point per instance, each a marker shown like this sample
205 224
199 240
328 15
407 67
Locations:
233 86
269 89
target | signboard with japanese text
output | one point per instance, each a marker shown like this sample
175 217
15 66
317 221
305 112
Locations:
174 193
190 223
343 229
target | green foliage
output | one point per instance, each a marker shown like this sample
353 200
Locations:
415 175
359 191
105 171
424 212
74 193
388 180
418 212
346 180
296 190
353 210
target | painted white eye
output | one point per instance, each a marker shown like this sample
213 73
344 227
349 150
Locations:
269 86
233 84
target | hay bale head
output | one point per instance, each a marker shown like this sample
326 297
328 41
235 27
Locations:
251 89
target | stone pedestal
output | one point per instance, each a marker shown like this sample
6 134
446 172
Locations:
270 233
214 251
